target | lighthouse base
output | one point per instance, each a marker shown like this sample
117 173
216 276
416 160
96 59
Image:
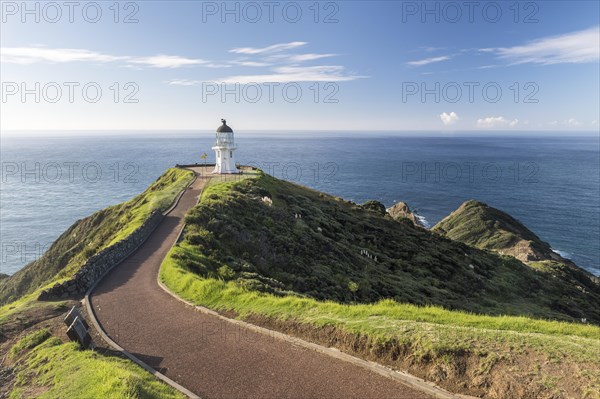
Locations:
216 171
225 160
225 168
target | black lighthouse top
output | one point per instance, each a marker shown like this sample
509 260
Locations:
224 128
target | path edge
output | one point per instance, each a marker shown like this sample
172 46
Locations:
92 315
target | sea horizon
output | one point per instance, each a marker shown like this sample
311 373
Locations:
421 170
295 133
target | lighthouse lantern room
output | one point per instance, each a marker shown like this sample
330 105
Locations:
224 150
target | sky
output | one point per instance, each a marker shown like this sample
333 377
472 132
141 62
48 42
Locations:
346 65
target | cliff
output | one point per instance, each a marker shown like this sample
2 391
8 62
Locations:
93 235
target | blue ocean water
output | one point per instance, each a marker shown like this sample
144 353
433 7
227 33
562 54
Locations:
551 184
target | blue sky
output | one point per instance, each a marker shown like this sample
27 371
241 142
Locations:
368 61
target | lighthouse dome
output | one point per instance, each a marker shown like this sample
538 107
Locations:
224 128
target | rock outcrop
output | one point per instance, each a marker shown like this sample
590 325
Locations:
401 211
374 206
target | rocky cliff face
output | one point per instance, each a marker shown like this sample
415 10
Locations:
401 211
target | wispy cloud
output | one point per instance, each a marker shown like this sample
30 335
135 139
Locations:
251 63
428 61
183 82
266 50
308 57
431 49
496 121
32 55
287 74
449 119
167 61
283 66
330 73
216 65
287 69
576 47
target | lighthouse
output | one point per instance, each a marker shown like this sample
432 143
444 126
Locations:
224 149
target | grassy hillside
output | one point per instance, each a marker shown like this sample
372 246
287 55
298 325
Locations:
36 362
482 226
479 225
286 281
277 237
48 368
490 356
88 236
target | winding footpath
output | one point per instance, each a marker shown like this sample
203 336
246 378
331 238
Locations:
208 355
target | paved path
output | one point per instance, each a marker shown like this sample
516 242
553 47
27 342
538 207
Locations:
211 357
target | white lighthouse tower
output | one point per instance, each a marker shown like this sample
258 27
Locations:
224 149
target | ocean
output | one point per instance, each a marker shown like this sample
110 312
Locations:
550 183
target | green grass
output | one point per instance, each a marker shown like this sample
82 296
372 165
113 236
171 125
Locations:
386 319
61 370
203 272
29 302
482 226
47 368
281 238
214 292
221 184
72 249
159 196
428 335
90 235
30 341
